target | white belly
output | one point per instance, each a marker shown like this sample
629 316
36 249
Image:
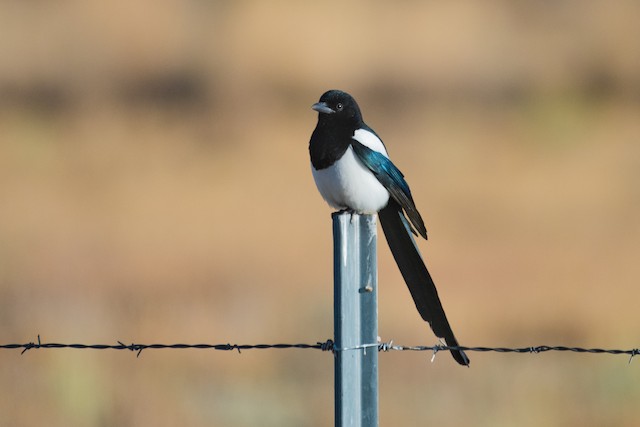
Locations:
349 184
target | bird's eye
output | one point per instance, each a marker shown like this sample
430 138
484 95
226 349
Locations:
339 106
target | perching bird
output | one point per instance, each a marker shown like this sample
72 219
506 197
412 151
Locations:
353 172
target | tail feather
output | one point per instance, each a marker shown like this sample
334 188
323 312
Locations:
415 273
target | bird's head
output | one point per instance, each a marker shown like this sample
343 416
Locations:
336 105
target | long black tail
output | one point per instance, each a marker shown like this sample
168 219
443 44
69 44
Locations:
416 275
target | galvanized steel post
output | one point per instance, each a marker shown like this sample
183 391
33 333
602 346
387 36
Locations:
355 319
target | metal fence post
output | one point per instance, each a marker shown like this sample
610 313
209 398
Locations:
355 319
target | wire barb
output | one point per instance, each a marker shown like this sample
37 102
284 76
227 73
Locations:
30 345
326 346
385 346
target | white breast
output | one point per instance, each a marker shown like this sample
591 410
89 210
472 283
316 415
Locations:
349 184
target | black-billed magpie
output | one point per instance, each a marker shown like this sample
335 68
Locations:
352 171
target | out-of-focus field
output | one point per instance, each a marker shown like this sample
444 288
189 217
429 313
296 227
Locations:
155 187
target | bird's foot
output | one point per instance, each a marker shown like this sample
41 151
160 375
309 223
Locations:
350 211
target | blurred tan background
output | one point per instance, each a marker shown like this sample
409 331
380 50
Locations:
155 187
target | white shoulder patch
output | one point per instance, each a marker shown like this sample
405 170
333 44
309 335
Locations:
370 140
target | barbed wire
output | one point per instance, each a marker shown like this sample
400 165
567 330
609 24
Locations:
327 345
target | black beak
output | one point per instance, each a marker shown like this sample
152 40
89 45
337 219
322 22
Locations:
322 107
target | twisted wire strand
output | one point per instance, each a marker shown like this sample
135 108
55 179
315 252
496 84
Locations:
327 345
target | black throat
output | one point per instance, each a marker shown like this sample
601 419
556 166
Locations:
329 142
